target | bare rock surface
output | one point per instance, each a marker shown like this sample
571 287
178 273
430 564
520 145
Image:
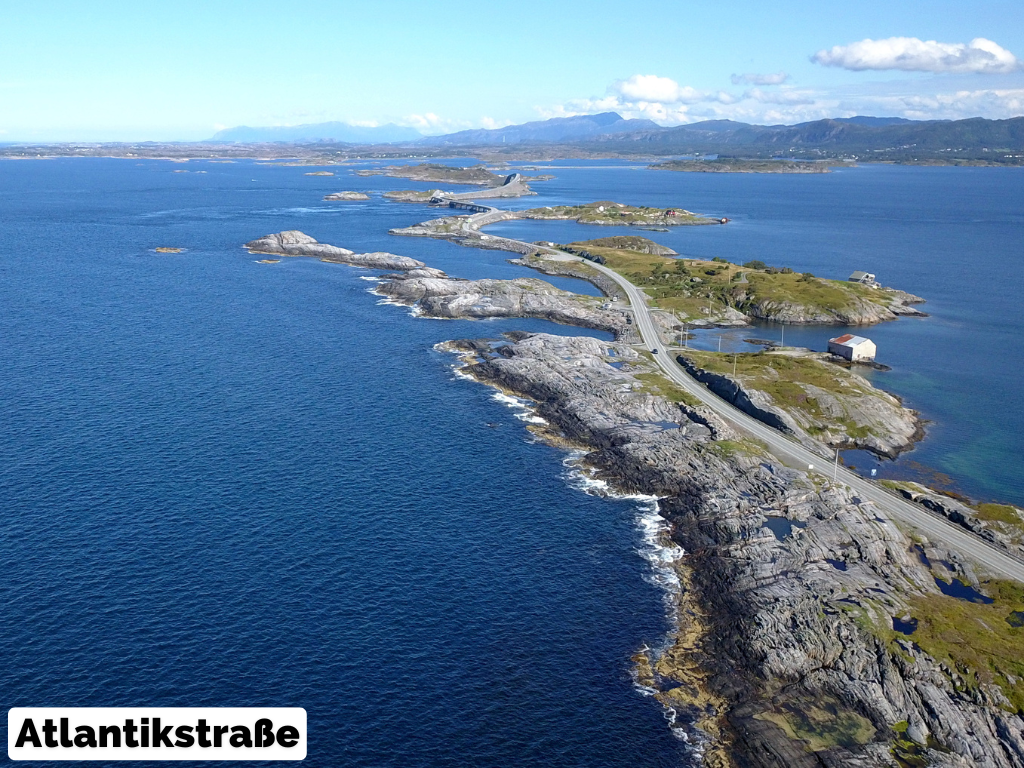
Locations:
523 297
295 243
347 196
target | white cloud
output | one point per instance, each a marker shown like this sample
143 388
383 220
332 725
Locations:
753 78
663 90
954 105
914 55
490 123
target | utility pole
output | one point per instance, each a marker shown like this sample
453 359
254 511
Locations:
686 334
734 356
719 342
783 336
835 472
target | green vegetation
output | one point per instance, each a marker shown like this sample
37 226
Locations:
690 286
658 384
781 376
999 513
984 643
821 724
980 641
607 212
626 243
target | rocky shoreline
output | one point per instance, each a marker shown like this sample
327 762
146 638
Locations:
786 653
812 631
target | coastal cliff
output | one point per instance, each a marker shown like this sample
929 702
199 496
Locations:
802 393
786 654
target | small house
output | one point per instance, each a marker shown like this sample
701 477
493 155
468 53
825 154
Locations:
864 278
853 348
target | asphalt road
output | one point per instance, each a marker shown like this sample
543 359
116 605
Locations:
989 557
936 528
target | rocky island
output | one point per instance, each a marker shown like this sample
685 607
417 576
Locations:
347 196
618 214
443 296
811 629
437 173
295 243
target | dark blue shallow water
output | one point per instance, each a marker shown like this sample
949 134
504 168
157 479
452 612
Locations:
954 236
226 483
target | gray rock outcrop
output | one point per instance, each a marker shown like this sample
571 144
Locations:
295 243
347 196
524 297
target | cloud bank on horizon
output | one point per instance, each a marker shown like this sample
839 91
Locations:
773 99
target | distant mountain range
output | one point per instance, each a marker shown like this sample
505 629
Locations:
891 138
344 133
554 131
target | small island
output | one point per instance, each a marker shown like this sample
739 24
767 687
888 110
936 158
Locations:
437 173
735 165
347 196
165 249
607 213
718 292
295 243
320 173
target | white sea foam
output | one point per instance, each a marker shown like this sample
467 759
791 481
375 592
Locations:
372 279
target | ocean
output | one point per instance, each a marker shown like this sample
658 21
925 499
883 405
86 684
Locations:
227 483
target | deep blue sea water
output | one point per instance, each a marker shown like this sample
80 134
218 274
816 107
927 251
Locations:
227 483
234 484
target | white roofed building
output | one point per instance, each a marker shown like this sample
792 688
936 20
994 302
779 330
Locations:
853 348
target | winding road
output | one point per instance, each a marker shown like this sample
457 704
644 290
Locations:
991 558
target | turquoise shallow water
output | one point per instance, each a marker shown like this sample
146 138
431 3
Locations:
954 236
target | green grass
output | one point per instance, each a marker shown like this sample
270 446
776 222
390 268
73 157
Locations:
670 284
978 640
745 446
657 384
604 210
999 513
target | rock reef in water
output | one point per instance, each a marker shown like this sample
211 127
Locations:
347 196
296 243
786 654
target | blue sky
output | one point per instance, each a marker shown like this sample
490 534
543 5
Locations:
180 71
